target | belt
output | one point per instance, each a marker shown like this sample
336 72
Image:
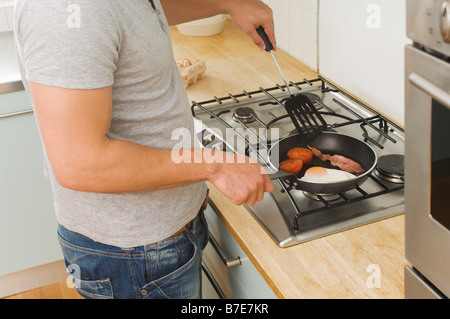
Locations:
185 227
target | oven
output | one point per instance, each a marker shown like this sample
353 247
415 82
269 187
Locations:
427 150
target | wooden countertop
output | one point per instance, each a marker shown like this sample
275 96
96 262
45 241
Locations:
342 265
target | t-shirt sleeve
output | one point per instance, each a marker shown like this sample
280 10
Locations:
69 44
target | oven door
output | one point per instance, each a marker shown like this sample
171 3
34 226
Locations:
427 169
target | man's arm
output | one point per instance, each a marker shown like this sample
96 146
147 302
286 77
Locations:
74 125
248 15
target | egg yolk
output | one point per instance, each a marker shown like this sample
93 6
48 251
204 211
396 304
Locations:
316 171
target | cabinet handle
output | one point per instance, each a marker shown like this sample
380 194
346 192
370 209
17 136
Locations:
229 262
430 89
213 281
3 116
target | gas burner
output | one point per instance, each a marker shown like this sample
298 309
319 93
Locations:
391 168
244 114
320 197
314 98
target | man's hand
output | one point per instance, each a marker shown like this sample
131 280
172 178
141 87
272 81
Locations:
239 178
248 15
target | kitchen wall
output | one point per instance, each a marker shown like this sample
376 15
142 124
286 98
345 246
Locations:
8 63
362 45
296 29
358 44
6 15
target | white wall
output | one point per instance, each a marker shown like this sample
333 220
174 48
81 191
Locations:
9 70
296 28
6 15
358 44
361 48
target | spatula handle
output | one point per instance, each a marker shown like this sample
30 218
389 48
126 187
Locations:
263 35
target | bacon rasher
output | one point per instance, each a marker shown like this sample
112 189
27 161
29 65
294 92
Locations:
340 161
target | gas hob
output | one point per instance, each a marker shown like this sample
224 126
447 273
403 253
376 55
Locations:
250 122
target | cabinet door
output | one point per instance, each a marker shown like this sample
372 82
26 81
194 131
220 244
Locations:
27 220
238 282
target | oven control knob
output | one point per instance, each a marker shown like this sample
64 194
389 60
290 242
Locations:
445 21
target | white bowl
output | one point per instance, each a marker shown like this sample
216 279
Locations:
203 27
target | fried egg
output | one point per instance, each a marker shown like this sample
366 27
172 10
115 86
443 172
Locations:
321 174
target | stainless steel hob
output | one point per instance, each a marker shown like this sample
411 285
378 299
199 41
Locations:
290 216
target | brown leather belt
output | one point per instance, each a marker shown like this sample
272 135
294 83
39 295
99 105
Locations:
185 227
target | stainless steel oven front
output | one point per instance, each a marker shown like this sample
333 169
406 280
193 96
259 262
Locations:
427 150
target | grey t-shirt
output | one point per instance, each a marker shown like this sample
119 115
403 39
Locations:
88 44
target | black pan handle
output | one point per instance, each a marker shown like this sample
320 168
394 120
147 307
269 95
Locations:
283 174
263 35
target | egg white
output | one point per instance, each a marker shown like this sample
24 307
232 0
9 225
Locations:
331 175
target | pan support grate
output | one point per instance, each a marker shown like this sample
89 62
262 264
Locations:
377 123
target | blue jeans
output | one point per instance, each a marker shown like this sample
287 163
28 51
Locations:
167 269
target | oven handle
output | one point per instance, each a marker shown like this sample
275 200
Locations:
430 88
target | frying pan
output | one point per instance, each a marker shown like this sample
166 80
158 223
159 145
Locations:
328 143
303 115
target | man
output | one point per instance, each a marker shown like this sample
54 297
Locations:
107 95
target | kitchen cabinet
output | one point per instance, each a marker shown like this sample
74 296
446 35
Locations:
6 15
241 281
27 220
9 69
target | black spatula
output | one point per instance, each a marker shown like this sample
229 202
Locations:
304 115
269 48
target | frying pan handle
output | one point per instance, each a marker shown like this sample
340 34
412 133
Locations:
281 174
263 35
